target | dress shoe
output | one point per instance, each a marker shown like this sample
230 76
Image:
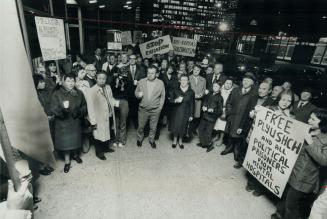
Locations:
199 144
121 145
227 151
276 216
153 145
115 145
237 166
210 148
249 188
139 143
44 172
36 199
48 168
110 150
181 146
77 159
173 145
257 193
66 168
101 157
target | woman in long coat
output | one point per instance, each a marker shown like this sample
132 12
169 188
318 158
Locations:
183 98
68 107
198 85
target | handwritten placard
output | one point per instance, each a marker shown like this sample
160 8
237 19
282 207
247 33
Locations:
51 36
184 47
274 146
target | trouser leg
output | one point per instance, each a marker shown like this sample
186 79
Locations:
201 131
143 117
292 203
100 146
154 118
122 131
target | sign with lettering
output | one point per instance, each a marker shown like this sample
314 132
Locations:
126 38
137 37
114 46
274 146
160 45
184 46
51 36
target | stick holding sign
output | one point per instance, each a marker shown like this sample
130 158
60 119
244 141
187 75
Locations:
274 146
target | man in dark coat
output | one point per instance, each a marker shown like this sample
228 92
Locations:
303 108
262 99
236 106
217 76
90 74
97 60
110 67
137 74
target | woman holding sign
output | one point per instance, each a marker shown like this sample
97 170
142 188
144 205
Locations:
68 107
304 179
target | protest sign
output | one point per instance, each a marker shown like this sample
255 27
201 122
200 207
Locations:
274 146
184 46
137 37
126 37
51 36
160 45
114 46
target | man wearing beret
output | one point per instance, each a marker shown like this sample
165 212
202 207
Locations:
236 115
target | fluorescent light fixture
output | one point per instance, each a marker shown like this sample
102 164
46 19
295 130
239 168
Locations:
126 6
102 6
93 1
129 2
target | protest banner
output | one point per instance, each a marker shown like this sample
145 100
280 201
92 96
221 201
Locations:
114 46
51 36
160 45
126 38
137 37
183 46
274 146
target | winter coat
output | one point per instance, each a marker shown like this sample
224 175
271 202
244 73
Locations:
100 108
68 122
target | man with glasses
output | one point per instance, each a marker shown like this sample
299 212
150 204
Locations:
90 74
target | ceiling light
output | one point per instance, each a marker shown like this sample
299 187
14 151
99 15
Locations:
126 6
102 6
324 17
129 2
93 1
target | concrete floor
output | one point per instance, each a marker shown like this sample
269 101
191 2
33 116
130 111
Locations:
143 183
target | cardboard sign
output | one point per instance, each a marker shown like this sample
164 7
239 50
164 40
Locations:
160 45
137 37
126 37
184 46
51 36
114 46
274 146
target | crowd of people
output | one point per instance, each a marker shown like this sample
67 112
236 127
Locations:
95 100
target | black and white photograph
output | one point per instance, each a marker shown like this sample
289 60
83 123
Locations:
156 109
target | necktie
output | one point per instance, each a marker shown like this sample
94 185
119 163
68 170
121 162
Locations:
107 98
300 104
